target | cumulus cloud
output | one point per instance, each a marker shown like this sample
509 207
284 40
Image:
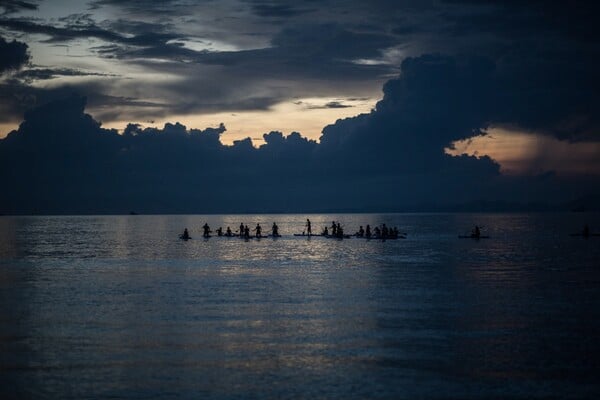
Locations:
531 65
62 160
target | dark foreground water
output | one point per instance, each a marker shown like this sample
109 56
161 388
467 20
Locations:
118 307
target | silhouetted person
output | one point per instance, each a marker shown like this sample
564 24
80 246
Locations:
247 232
185 235
220 231
361 232
333 228
325 232
308 227
206 229
241 229
384 231
258 230
377 232
476 232
228 232
338 230
275 229
368 231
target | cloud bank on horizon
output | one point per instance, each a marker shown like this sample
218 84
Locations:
453 71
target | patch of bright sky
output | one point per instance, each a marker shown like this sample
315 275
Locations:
390 56
307 115
528 153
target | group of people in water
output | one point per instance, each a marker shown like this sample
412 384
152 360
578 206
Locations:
382 232
336 231
243 232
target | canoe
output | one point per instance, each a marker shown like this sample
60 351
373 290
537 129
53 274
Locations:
184 238
307 235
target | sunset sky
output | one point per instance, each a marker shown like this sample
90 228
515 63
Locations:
527 70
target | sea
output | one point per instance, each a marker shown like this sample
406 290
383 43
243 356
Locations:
118 307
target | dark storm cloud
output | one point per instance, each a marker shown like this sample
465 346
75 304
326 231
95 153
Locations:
390 159
144 168
528 65
576 20
13 55
435 101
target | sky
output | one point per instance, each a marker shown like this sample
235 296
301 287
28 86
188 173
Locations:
377 105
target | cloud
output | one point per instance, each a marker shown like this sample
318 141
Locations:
13 55
36 74
336 104
505 64
58 34
13 6
301 60
328 47
62 160
278 10
81 26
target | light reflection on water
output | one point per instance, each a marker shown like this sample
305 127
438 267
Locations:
117 306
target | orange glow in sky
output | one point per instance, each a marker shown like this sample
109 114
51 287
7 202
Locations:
308 116
520 152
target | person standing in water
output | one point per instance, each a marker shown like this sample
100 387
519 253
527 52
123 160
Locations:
241 229
275 230
258 230
206 229
308 227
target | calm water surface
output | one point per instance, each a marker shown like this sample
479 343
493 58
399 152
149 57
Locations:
118 307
